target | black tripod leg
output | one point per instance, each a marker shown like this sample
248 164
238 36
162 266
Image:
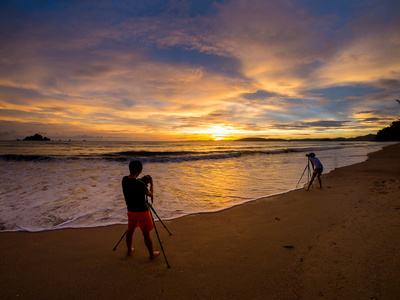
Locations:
120 240
159 241
151 207
302 175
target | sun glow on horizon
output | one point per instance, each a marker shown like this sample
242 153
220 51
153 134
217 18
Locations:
219 132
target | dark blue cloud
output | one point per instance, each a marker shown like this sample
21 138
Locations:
390 84
322 124
347 10
259 95
301 101
229 66
120 8
106 9
341 8
305 69
20 95
342 92
204 7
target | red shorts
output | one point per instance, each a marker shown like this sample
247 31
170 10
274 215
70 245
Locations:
140 219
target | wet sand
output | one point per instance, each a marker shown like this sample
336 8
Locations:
339 242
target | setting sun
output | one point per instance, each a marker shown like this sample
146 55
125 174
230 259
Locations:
219 132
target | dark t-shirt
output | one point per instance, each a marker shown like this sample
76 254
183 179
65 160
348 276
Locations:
135 194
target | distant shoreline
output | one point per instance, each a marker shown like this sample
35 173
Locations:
365 138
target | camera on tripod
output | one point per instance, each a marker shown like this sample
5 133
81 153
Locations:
145 179
310 155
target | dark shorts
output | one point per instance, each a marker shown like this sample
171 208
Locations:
140 219
318 171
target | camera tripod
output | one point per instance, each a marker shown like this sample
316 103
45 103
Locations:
308 173
151 209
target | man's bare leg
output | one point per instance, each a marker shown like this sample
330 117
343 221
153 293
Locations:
319 180
129 235
149 244
311 181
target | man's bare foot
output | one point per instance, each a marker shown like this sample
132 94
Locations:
130 252
155 254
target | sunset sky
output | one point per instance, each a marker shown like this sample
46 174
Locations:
200 69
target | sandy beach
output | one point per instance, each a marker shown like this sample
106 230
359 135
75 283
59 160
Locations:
339 242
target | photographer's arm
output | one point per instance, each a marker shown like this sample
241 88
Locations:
150 192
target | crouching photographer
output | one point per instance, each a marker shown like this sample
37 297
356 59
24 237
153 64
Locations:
318 169
135 191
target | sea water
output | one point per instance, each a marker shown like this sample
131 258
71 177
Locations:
51 185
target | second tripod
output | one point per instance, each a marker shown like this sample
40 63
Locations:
308 173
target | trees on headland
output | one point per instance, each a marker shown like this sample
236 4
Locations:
391 133
36 137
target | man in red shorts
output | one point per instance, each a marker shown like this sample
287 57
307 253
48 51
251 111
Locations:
135 192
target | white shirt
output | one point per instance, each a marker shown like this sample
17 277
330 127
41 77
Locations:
315 161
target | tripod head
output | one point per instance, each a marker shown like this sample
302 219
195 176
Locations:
146 179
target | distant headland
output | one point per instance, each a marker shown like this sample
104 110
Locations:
369 137
36 137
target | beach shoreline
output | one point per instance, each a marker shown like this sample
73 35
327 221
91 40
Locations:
339 242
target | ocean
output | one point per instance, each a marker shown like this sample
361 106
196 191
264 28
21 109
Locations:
60 184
